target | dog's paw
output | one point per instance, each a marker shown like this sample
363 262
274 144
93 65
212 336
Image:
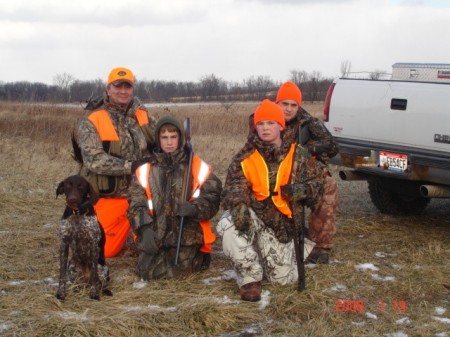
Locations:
60 296
95 297
107 292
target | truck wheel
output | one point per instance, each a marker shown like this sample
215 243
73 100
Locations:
390 202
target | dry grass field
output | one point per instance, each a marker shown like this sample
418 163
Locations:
386 276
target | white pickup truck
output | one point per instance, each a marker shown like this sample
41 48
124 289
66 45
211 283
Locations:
394 134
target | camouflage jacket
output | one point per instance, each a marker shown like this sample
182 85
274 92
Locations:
237 189
166 182
316 137
133 145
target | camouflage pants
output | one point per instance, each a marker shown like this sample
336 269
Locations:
259 254
322 221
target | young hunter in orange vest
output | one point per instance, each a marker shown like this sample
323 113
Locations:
156 207
118 133
265 188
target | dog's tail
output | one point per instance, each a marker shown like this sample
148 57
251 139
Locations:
76 150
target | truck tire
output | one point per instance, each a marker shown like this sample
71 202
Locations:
390 202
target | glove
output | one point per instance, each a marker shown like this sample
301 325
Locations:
241 217
135 164
186 209
146 241
316 149
304 134
294 192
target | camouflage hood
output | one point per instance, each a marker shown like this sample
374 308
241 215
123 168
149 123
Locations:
172 121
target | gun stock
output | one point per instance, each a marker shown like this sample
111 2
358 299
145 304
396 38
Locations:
186 182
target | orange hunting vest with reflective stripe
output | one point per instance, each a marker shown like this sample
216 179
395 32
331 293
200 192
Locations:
105 127
200 172
257 173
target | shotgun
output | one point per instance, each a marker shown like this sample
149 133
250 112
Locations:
186 181
299 225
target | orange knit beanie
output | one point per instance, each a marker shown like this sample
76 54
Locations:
289 90
269 111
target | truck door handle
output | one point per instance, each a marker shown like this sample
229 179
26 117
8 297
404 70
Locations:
398 104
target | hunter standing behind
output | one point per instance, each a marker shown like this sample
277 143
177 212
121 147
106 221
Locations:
116 134
319 142
257 225
157 205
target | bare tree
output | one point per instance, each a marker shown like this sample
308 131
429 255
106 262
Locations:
299 76
376 74
346 67
63 82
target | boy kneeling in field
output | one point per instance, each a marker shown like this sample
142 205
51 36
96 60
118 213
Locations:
264 188
157 206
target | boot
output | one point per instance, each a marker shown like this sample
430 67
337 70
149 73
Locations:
319 256
251 291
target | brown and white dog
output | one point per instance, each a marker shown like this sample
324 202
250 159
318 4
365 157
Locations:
82 240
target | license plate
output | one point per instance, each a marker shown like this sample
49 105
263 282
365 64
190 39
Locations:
393 161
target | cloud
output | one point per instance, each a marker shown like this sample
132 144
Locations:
114 14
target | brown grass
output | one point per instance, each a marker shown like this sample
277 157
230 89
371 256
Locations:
35 150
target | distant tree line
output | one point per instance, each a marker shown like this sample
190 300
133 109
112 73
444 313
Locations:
67 89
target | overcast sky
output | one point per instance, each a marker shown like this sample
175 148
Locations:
184 40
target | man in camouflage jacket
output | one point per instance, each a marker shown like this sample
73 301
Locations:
118 132
156 207
321 144
261 199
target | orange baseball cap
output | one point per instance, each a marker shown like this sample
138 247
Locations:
269 111
120 75
289 90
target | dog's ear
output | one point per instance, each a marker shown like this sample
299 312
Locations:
60 189
92 195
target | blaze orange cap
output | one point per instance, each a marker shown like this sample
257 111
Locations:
269 111
121 75
289 90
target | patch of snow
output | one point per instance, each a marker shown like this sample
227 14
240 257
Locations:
371 316
5 326
403 320
4 232
338 287
362 323
73 315
227 276
442 319
440 310
265 299
140 284
361 236
336 261
48 225
366 266
396 334
134 308
310 265
383 254
441 334
226 300
377 277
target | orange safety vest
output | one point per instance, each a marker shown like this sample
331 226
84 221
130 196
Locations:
105 127
200 172
257 173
